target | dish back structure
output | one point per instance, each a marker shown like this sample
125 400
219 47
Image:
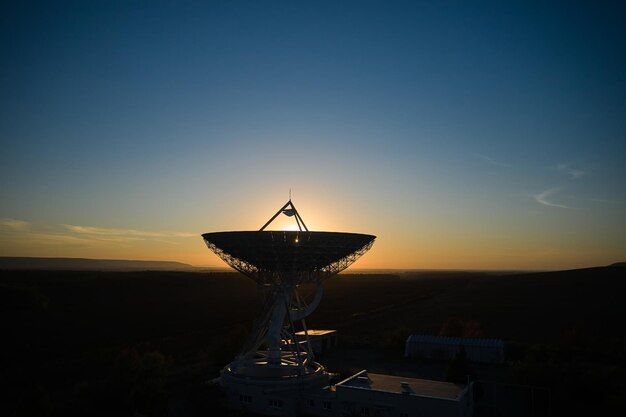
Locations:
280 262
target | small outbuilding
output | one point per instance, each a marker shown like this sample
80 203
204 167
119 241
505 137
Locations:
321 340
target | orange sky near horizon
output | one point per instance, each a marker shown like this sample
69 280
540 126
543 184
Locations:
399 244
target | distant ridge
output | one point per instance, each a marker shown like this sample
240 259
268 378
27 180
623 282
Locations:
82 264
620 264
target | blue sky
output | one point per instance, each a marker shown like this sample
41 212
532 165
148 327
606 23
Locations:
484 135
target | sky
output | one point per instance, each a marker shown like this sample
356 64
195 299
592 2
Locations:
464 135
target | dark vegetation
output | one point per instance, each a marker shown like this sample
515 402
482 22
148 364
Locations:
144 343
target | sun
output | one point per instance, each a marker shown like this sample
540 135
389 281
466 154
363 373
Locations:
291 227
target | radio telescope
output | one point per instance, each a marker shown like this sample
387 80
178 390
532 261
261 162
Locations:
280 262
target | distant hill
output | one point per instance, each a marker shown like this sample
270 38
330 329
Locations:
81 264
620 264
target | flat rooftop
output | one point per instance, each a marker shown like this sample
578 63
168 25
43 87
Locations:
400 385
317 332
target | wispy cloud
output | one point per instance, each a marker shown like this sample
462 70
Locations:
572 173
541 198
12 230
491 160
60 240
14 225
101 231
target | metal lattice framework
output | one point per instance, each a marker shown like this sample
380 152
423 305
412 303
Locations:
275 257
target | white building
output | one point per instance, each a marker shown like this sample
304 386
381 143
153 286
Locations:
362 394
443 347
368 394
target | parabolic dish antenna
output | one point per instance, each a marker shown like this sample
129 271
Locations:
280 262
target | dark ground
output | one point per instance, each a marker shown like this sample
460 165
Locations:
128 343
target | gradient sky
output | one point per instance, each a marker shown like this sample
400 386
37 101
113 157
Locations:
464 135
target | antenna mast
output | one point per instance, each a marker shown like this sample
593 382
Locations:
289 210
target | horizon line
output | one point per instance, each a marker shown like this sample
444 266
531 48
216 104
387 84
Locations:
226 268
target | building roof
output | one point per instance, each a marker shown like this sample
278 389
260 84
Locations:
402 385
317 332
